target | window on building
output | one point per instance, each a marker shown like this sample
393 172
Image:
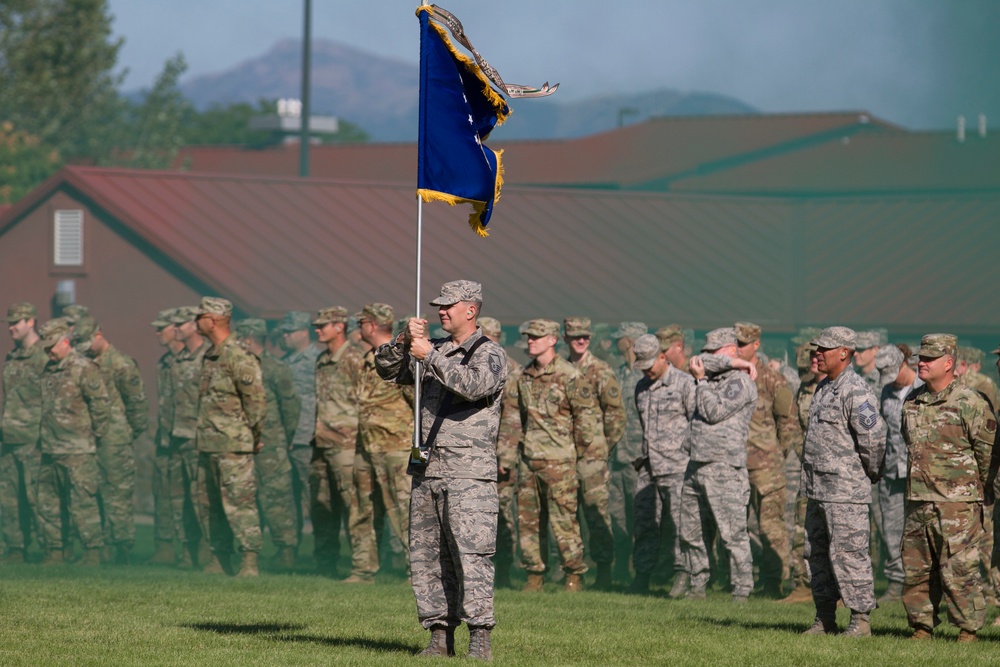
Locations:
68 238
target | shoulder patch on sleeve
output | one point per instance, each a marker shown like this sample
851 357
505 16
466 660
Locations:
496 365
867 415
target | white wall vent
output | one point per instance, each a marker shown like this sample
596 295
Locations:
68 238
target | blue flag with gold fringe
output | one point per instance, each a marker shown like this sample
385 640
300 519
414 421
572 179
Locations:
458 110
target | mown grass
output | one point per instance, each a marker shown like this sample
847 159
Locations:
148 615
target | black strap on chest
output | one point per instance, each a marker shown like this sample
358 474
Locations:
448 407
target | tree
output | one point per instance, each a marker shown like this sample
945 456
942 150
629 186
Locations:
24 162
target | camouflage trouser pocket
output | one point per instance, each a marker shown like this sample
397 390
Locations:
474 520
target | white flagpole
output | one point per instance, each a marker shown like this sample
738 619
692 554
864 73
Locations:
416 370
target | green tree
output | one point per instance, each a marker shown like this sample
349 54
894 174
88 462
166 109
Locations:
24 162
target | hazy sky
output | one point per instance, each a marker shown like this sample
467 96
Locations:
919 63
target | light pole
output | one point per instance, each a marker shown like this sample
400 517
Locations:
306 50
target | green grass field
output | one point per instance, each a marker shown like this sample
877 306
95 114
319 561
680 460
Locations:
149 615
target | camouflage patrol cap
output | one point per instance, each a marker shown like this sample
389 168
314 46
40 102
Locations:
252 326
717 339
163 318
746 332
84 331
522 331
833 337
867 339
184 314
329 316
538 328
937 345
970 355
888 361
577 326
379 313
74 312
669 335
458 290
296 320
53 331
646 348
630 330
803 354
21 311
491 327
215 305
805 336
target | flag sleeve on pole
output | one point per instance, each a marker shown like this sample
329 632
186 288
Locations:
458 110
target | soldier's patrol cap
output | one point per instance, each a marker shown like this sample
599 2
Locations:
184 314
21 311
805 336
330 315
252 326
53 331
746 332
888 361
379 313
297 320
646 348
214 305
84 331
867 339
630 330
522 331
74 312
833 337
538 328
937 345
491 327
458 290
717 339
163 318
970 355
577 326
803 354
669 335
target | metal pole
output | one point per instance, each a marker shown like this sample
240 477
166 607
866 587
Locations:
416 370
304 129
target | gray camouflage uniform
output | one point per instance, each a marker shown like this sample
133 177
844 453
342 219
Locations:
303 365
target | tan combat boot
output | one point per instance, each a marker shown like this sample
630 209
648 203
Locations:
248 565
894 593
535 583
859 626
966 637
921 633
91 558
214 566
358 579
479 644
823 625
285 558
574 583
163 554
682 582
442 644
799 594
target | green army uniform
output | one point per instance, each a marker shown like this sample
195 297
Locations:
163 516
507 458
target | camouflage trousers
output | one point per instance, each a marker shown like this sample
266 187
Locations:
67 487
453 534
892 503
593 475
163 513
116 463
300 456
227 501
183 478
383 473
621 504
547 494
768 530
507 525
18 471
657 511
799 564
720 492
990 570
274 494
941 557
837 536
332 501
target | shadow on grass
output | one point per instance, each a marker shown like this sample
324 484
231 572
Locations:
279 632
793 628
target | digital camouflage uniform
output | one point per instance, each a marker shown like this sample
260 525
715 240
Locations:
454 504
20 455
163 516
799 569
949 435
76 414
303 365
715 482
507 458
231 413
842 458
333 502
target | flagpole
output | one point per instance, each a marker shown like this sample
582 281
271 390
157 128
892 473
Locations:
416 369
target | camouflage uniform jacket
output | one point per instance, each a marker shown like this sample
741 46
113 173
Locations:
892 413
232 403
510 419
630 446
724 403
949 435
129 405
560 418
666 408
303 365
22 394
464 446
76 410
985 386
185 381
164 400
871 378
385 410
337 397
774 428
605 388
845 441
283 404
